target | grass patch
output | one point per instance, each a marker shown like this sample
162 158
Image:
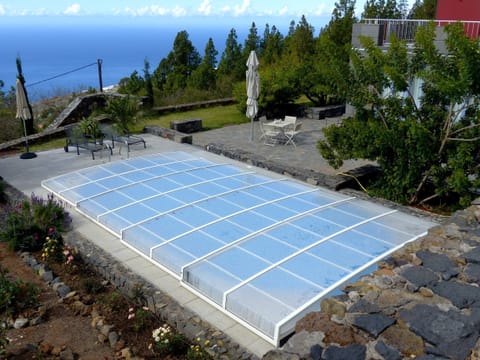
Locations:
212 118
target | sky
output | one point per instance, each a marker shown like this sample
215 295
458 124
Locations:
173 9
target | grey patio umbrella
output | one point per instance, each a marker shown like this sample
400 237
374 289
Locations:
253 88
23 113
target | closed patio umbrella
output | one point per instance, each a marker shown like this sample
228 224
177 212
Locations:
23 113
253 88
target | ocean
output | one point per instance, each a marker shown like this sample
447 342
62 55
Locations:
53 52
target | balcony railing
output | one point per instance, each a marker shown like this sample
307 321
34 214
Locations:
406 29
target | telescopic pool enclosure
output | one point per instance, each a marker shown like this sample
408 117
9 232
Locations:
264 250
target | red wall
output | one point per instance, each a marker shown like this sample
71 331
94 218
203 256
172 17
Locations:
467 10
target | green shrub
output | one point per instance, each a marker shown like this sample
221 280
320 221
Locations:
16 295
93 286
26 225
168 342
3 340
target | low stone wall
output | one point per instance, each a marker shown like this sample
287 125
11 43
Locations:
187 126
168 134
423 302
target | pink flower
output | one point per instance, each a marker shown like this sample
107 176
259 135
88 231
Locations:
51 230
131 309
131 316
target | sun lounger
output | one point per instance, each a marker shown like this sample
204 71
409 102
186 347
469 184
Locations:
76 138
111 133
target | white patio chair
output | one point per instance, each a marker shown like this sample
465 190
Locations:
270 134
291 133
262 120
290 120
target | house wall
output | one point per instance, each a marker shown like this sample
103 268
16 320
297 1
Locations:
466 10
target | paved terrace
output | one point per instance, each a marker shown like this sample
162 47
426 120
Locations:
26 176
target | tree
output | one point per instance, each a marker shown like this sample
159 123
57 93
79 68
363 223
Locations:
203 78
271 46
131 85
427 147
382 9
252 42
423 9
148 82
174 70
231 68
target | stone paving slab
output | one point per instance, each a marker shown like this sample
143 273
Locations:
305 155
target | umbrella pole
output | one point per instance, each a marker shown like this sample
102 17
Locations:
27 154
251 129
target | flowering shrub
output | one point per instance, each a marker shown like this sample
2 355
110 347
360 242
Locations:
25 226
166 341
52 250
198 352
141 318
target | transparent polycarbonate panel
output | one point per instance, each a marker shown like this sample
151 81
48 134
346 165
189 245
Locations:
315 270
242 199
342 256
275 212
142 240
226 231
269 247
187 195
95 173
114 222
281 286
251 221
406 223
360 209
137 176
219 207
198 243
119 167
363 242
138 192
293 236
201 280
163 203
91 208
162 184
106 202
172 257
316 225
136 213
297 205
83 192
194 216
167 226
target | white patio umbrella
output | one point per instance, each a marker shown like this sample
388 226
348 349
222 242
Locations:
253 88
23 113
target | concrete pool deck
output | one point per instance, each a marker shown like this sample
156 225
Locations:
26 175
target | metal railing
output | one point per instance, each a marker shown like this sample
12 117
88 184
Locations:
405 29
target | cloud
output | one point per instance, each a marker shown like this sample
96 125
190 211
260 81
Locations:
283 11
73 9
322 10
2 10
153 10
239 10
179 11
205 7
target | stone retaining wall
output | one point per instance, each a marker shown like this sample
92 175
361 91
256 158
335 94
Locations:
170 134
185 321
